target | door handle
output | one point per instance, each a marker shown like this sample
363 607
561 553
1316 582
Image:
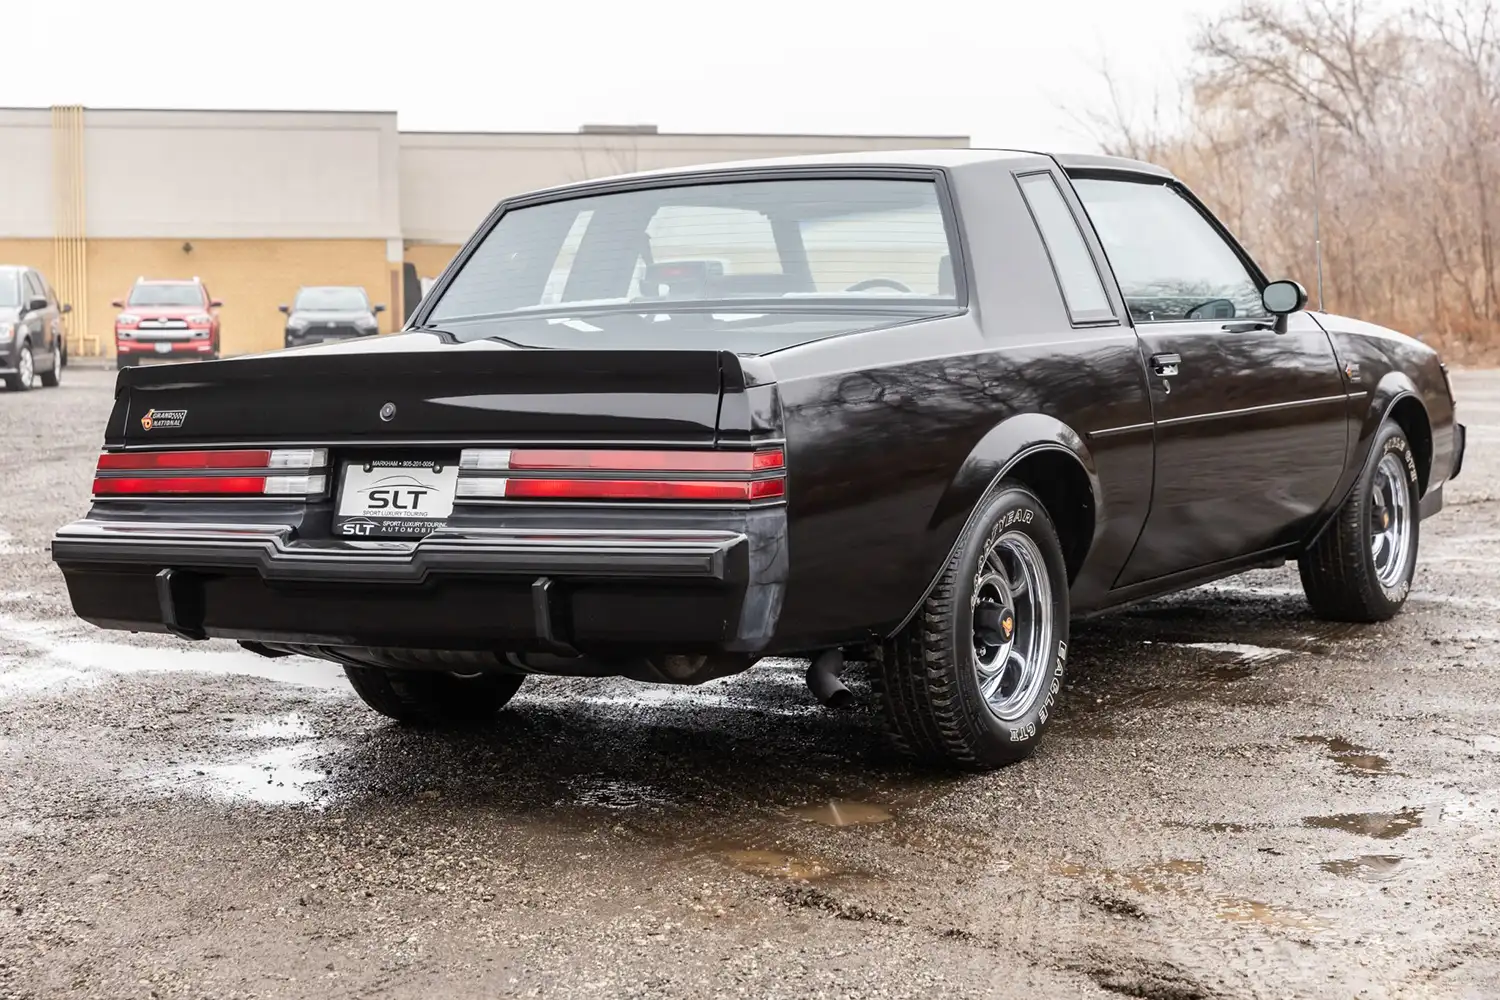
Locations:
1165 365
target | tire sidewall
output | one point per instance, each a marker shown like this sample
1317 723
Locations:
1390 440
1010 508
26 351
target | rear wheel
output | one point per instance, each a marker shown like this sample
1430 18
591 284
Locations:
121 361
972 681
433 697
1360 569
25 370
52 377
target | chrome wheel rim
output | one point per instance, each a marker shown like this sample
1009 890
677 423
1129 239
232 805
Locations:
1013 625
56 363
25 369
1390 520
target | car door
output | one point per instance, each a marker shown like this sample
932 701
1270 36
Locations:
1250 427
38 322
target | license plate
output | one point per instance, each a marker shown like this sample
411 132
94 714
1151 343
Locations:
163 348
395 498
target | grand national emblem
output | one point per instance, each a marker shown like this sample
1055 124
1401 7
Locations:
163 419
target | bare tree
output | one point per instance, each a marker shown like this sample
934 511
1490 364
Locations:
1403 110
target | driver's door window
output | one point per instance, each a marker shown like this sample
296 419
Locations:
1172 265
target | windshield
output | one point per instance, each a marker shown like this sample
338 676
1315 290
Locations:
180 294
778 246
10 289
332 299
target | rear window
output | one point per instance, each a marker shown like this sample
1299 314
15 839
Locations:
166 295
781 245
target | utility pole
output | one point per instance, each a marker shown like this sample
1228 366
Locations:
1317 208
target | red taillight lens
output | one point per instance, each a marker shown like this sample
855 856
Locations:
734 476
141 461
627 489
548 459
243 472
213 485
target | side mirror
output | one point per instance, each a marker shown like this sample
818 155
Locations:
1283 297
215 304
118 303
284 309
378 309
36 305
65 308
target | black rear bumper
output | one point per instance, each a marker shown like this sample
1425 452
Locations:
702 589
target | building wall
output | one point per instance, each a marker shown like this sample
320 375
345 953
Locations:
431 258
251 277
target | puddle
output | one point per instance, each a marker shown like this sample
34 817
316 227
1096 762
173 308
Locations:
1217 827
842 812
1351 758
1380 825
1368 867
775 864
605 793
72 663
1244 652
292 726
1182 878
279 776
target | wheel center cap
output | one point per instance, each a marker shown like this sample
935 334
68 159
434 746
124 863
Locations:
994 625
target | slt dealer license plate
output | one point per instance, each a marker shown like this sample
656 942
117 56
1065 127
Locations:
394 498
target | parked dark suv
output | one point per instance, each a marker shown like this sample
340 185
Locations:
329 312
32 339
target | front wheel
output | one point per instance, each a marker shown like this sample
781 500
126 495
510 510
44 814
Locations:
433 697
972 681
1360 569
25 370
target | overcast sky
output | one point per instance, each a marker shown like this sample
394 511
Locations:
1004 73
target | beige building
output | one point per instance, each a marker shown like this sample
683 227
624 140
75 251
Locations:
257 203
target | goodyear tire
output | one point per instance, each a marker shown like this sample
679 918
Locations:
1360 569
972 681
433 698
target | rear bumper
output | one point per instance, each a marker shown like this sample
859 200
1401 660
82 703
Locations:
468 588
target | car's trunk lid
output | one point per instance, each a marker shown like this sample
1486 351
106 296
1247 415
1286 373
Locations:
421 387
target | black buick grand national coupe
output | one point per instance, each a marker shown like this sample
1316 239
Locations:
920 408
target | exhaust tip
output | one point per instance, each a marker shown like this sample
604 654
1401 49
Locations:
823 679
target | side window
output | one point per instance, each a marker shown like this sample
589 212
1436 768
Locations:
1082 289
1169 260
34 288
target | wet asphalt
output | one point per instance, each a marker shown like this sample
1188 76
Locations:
1237 800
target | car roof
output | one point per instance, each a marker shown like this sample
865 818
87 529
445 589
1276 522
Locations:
943 159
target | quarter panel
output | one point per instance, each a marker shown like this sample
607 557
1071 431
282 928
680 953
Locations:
1381 366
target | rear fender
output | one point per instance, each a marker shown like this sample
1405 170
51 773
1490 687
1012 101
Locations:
991 460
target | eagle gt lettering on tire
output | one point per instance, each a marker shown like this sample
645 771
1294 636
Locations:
973 680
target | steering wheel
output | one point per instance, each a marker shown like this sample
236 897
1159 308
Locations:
869 283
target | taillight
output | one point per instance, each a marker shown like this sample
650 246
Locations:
245 472
591 474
